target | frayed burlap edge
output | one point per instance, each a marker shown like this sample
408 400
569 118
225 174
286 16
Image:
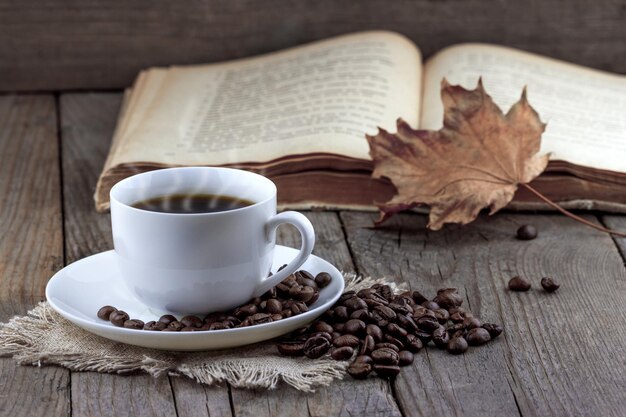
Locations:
43 337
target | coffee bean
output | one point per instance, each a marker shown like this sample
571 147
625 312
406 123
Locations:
298 308
188 329
177 325
105 312
191 321
442 316
455 328
471 323
394 340
325 335
386 345
431 305
273 306
208 319
338 327
169 329
365 292
315 347
494 329
260 318
359 370
457 318
341 313
375 299
323 279
448 298
335 335
477 337
519 284
154 326
413 343
418 297
407 323
374 331
342 353
400 308
386 371
345 296
314 298
424 336
217 326
385 313
457 345
118 318
396 330
167 319
549 284
289 348
405 358
354 326
526 232
367 346
133 324
364 359
244 311
321 326
427 323
362 314
346 340
301 293
286 313
302 278
385 356
441 337
386 292
378 320
355 303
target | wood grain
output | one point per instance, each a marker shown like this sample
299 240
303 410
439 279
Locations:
31 242
196 400
617 223
342 398
120 396
560 353
73 44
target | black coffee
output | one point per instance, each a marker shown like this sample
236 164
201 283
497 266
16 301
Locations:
192 203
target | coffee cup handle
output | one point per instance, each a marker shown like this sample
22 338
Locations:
305 228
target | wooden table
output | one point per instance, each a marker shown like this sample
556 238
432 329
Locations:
561 354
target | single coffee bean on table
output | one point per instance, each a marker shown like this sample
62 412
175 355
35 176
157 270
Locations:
550 284
519 284
526 232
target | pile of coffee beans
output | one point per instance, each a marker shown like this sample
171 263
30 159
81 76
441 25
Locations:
383 330
291 297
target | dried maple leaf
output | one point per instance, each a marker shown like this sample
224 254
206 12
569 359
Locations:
475 161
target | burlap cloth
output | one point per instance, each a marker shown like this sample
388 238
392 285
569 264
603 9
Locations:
43 337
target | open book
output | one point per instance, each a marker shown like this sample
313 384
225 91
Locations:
299 116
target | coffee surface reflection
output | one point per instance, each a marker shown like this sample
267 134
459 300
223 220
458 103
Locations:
192 203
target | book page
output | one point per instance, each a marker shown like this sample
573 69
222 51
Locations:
585 109
321 97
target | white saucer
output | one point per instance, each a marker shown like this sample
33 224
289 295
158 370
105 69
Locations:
77 292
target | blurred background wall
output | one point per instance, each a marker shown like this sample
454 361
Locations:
89 44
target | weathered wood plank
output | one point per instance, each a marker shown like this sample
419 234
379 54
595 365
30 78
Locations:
87 121
342 398
75 42
617 223
31 243
116 396
558 354
195 400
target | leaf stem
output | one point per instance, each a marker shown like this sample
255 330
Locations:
570 214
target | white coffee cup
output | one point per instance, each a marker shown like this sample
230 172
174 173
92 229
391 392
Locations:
199 263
